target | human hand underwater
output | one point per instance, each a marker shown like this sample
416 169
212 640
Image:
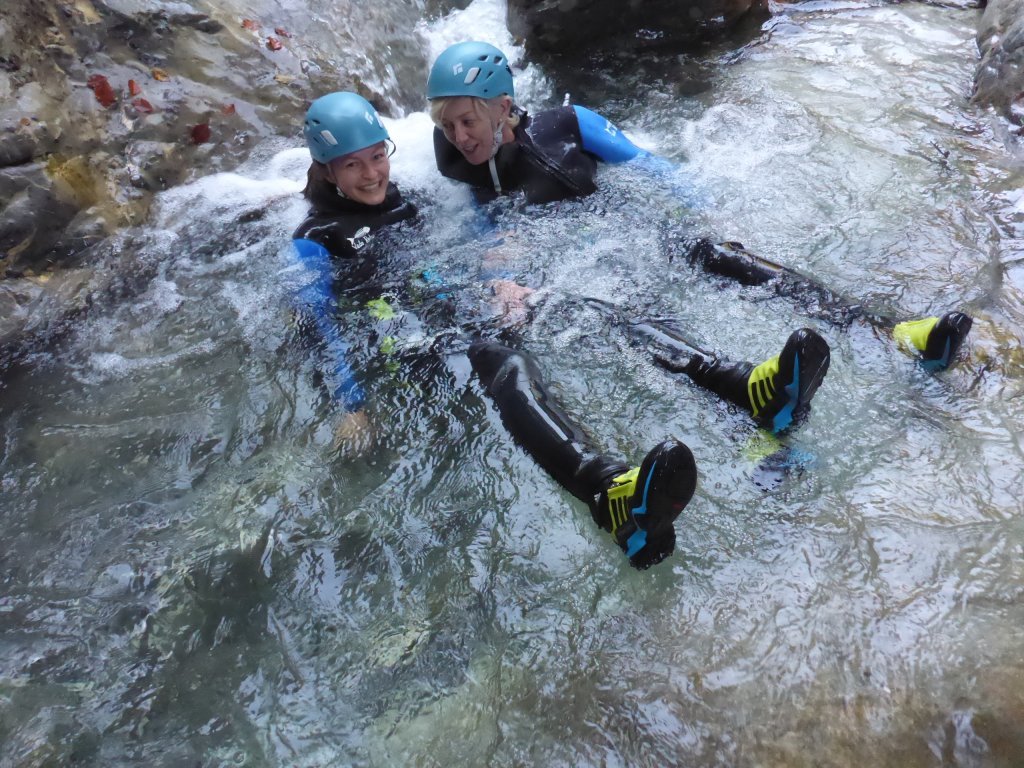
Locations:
354 434
510 301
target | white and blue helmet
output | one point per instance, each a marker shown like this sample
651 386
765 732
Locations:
340 123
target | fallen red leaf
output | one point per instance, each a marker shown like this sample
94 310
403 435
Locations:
101 89
250 24
227 109
274 44
143 106
281 31
200 133
159 74
133 88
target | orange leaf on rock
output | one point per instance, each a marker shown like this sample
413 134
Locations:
101 89
227 109
143 106
281 31
273 44
133 88
250 24
159 74
200 133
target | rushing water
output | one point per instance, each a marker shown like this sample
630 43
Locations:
198 570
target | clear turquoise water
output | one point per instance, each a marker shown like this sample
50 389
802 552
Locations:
194 573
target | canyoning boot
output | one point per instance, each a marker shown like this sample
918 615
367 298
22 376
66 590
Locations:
640 505
782 387
936 339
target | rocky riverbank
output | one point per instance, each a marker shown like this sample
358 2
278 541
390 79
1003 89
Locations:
999 80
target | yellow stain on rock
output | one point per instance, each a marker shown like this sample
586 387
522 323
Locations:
87 11
74 180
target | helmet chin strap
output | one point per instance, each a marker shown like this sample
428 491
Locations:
490 161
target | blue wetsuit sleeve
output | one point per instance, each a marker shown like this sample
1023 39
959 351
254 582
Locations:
316 300
603 139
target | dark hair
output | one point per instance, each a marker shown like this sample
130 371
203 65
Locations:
317 184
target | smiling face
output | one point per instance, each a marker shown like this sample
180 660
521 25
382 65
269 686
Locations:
470 124
363 175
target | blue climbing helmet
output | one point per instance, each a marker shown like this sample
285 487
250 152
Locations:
470 69
340 123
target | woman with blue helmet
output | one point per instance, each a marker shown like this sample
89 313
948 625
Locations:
351 195
353 201
483 139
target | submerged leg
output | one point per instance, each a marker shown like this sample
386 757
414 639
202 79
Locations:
775 392
935 339
637 506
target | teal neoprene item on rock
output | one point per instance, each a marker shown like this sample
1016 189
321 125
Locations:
470 69
340 123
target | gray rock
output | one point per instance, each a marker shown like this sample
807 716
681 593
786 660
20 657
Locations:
999 78
570 28
16 149
30 307
31 224
32 217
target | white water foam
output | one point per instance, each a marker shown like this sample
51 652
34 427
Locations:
485 21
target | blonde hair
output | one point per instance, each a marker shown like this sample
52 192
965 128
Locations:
480 106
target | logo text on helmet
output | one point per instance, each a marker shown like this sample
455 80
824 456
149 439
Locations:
368 117
328 137
457 68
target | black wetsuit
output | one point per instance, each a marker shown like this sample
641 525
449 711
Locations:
546 161
337 223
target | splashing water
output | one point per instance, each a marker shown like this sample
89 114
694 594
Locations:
196 567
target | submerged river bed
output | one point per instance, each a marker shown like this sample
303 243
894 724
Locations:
203 565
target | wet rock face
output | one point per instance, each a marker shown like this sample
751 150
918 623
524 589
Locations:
999 79
574 28
104 102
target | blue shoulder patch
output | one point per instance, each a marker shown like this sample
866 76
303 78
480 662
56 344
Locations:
602 138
